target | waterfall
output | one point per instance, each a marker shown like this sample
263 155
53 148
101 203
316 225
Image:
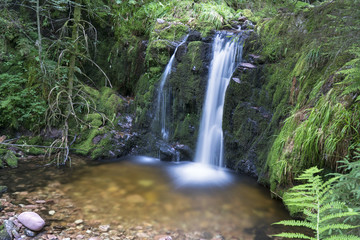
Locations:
227 53
163 95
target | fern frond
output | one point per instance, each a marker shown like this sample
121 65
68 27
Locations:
338 215
293 235
343 237
297 223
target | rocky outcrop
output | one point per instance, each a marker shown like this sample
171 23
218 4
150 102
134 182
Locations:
246 115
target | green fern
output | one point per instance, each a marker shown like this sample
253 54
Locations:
352 73
311 199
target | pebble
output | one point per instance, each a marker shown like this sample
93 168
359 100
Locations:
135 198
163 237
29 233
51 212
142 235
104 228
79 221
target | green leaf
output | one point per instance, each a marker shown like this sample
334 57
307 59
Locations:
294 235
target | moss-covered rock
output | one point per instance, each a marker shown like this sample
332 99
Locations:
91 140
10 159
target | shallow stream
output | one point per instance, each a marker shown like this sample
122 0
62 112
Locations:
169 197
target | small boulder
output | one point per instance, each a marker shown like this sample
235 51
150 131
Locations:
32 221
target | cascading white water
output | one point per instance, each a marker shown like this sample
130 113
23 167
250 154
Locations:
227 53
163 96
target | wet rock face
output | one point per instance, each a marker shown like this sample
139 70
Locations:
246 116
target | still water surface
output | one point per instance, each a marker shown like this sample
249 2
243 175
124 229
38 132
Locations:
174 196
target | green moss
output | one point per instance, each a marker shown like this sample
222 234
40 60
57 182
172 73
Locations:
184 131
170 31
95 120
250 15
107 101
35 151
86 145
102 148
10 159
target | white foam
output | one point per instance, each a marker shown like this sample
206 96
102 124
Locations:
198 174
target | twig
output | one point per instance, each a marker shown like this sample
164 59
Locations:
276 194
38 146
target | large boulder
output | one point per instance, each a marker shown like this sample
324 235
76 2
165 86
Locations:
32 221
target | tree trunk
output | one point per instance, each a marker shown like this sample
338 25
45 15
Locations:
39 41
71 74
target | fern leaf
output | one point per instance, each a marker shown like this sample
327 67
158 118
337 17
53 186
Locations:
309 213
303 205
297 223
338 215
343 237
336 226
332 205
294 235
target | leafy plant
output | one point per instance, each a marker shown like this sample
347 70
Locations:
311 199
20 105
352 73
347 189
